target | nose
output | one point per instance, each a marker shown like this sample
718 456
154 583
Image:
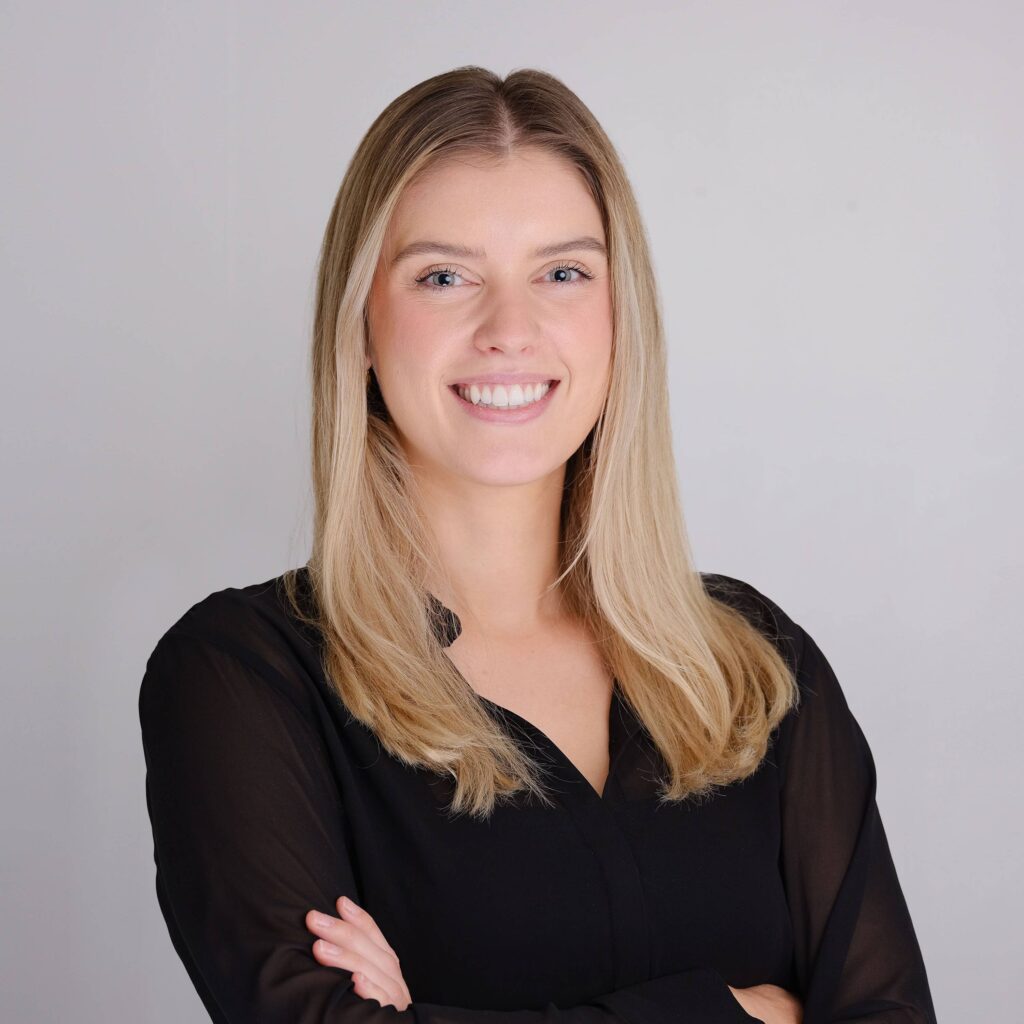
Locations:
508 320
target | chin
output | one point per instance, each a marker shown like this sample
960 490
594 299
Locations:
505 472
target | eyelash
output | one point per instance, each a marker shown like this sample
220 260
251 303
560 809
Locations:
584 276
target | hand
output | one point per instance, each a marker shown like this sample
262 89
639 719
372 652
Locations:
360 947
770 1004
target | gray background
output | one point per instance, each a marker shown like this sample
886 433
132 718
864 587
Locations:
833 198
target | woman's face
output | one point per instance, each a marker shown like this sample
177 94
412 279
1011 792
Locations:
463 292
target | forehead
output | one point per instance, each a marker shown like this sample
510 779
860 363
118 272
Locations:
501 205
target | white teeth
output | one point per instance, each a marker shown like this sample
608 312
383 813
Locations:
501 397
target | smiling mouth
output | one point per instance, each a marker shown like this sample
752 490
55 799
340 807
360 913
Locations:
504 397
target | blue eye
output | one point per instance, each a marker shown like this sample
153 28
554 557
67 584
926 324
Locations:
571 268
442 271
450 272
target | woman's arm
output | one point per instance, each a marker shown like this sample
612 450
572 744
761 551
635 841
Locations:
249 836
856 952
358 944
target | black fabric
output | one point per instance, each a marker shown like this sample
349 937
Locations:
267 799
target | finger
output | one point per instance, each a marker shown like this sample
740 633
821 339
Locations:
335 956
746 998
357 915
330 955
351 911
368 989
350 937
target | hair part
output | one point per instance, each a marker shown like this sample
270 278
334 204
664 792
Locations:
707 685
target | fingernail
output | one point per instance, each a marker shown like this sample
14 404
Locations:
349 905
328 947
320 920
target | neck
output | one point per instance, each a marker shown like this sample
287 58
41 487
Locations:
499 549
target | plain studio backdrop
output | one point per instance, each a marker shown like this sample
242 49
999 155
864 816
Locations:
832 194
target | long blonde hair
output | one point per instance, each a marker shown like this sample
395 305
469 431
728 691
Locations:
708 687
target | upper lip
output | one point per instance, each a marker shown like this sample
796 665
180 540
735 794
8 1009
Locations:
506 378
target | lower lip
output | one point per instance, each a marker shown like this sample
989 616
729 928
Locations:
521 415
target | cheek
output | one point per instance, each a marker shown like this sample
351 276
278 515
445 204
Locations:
589 352
593 321
411 348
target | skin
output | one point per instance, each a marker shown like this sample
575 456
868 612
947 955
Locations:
490 492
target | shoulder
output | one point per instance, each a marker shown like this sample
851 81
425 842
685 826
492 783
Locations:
251 616
822 715
762 611
239 635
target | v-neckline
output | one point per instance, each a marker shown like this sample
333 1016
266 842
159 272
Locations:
621 728
622 722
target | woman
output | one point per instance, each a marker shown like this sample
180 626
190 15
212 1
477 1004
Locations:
498 752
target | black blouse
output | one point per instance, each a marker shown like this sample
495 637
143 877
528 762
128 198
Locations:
267 799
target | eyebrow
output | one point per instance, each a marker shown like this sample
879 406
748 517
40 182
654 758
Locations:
587 242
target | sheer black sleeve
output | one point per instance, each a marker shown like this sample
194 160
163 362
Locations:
856 952
249 835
